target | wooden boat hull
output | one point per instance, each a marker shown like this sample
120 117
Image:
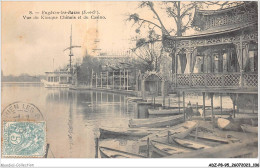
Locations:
211 138
249 128
179 131
157 122
54 84
113 153
164 149
121 133
216 111
164 111
226 124
190 144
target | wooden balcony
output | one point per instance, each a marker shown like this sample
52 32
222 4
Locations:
234 82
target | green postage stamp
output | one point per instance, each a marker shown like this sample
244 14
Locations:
24 139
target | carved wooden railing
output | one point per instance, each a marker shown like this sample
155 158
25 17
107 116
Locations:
216 80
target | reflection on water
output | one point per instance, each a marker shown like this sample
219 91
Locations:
73 117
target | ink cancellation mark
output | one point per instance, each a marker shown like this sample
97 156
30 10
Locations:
22 111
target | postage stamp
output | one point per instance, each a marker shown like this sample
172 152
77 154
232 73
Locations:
24 139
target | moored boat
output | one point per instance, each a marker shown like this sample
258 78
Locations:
156 122
164 111
216 111
211 138
126 133
249 128
190 144
165 149
106 152
57 79
227 124
179 131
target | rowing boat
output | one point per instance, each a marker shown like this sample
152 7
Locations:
165 149
190 144
216 111
156 122
210 138
164 111
129 133
227 124
249 128
113 153
179 131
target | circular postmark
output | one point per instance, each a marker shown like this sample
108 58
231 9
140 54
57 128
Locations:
22 111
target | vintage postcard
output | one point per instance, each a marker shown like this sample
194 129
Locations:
130 79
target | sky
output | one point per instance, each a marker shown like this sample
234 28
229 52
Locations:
35 46
31 45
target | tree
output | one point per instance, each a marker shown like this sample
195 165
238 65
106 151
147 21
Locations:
84 71
182 14
149 51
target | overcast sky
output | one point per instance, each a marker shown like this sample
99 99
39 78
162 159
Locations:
31 45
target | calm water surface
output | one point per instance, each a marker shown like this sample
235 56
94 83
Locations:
74 117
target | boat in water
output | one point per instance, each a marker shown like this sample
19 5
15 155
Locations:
57 79
162 149
249 128
129 133
61 78
190 144
114 153
227 124
156 122
164 111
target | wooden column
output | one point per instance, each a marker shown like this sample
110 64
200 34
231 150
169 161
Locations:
204 111
163 92
253 101
101 80
113 80
107 79
212 112
183 101
91 82
176 69
127 77
120 79
234 107
220 104
179 102
237 110
96 81
124 79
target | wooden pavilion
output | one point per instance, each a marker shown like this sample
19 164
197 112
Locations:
222 57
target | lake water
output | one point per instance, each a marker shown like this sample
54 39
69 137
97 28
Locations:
74 117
